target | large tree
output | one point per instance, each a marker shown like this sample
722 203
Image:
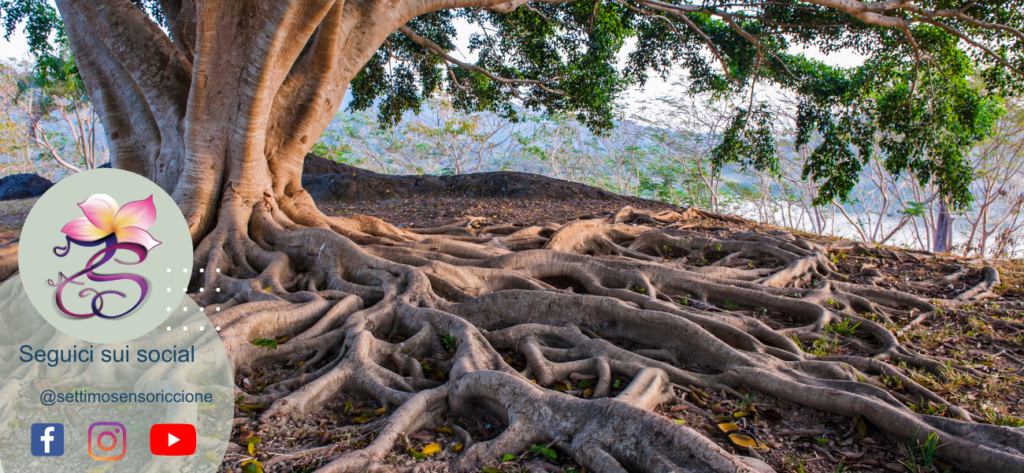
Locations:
219 101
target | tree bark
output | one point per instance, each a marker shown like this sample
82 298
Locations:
943 229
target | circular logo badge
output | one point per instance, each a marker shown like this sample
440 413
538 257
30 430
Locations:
105 255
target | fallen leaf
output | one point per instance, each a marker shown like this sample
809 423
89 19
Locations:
895 467
431 449
458 447
588 392
782 405
363 418
585 383
772 415
507 458
101 468
862 428
443 430
252 466
380 411
719 409
679 421
417 455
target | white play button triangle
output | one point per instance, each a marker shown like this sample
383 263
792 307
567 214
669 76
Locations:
171 440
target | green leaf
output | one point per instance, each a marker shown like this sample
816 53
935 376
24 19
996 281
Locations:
508 457
266 343
585 383
546 452
252 466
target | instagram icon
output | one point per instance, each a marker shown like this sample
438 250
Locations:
104 443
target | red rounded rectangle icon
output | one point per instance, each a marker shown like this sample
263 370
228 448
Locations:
172 440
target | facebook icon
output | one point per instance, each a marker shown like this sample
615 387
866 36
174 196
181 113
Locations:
47 440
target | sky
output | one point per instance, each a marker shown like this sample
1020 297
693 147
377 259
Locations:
16 48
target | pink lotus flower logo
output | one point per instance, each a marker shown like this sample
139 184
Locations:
115 228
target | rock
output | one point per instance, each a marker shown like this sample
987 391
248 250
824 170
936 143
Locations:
23 186
314 164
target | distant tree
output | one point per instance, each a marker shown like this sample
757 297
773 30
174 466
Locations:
56 95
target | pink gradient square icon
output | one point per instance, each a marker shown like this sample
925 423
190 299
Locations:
104 444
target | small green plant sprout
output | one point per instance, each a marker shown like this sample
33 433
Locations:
824 347
545 452
927 407
843 327
894 383
718 246
639 290
730 305
449 342
267 343
995 418
921 458
834 304
795 464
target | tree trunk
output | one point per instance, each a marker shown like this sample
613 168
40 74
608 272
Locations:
943 229
223 118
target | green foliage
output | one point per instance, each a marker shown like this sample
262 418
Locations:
921 457
267 343
449 342
843 327
545 452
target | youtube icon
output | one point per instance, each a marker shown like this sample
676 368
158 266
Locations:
172 440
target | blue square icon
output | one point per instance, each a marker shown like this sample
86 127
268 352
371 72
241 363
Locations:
47 440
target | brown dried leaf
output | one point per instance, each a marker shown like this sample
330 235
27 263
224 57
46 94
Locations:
772 415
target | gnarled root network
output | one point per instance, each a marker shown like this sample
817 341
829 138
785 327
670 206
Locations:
425 321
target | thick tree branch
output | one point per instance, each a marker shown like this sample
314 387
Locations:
181 23
434 48
145 135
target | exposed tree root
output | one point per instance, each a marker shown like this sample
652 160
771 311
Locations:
423 322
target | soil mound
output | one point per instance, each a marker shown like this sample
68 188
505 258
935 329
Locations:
329 181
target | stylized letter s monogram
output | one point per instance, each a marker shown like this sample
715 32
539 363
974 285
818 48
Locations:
104 255
116 228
